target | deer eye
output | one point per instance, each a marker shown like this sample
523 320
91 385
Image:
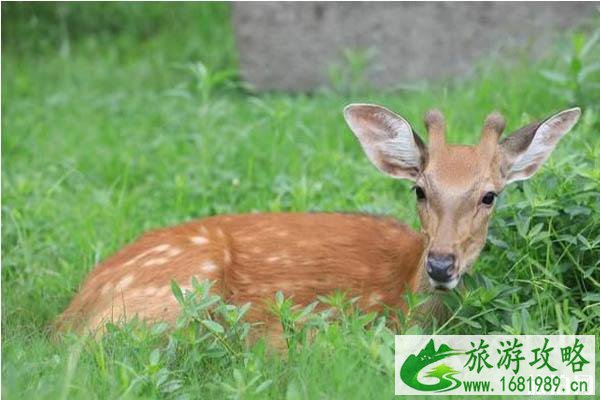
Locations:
420 193
488 198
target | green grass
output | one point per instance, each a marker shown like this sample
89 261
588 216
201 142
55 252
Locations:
119 118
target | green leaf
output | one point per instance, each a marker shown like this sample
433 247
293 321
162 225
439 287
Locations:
535 230
243 310
159 328
577 210
554 76
590 43
576 65
155 357
588 70
238 377
469 322
578 42
213 326
413 330
523 226
293 391
451 300
172 386
469 282
279 297
306 310
594 297
177 292
263 386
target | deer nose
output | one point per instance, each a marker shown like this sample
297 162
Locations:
440 266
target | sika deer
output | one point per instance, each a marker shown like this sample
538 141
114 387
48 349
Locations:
251 257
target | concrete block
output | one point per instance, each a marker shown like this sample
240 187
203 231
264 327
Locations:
292 46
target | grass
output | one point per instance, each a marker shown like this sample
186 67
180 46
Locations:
122 117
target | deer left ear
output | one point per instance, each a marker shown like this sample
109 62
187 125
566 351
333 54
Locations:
524 151
387 139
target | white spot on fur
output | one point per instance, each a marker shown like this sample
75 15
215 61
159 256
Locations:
226 256
199 240
105 289
145 292
124 283
164 291
150 291
209 266
243 257
243 279
174 252
273 259
156 249
156 261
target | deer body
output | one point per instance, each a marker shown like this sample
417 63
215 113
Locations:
251 257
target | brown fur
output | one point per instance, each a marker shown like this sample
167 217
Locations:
452 218
255 255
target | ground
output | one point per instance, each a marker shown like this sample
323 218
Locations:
121 118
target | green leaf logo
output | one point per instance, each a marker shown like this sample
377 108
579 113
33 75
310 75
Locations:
413 364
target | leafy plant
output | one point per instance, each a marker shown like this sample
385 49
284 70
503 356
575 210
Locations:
577 77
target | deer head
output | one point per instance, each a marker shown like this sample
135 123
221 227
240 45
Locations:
455 185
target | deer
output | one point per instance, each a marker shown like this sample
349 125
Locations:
250 257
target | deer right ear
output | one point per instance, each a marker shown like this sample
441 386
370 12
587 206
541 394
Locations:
387 139
525 151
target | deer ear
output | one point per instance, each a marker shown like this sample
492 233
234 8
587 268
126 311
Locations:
387 139
524 151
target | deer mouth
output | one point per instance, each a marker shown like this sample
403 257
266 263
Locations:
444 286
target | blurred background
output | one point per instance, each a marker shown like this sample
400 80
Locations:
302 46
305 46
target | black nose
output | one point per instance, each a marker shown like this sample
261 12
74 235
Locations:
440 266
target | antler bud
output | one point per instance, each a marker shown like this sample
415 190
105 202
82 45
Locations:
492 129
436 128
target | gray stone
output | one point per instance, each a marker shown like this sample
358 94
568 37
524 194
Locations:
293 46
